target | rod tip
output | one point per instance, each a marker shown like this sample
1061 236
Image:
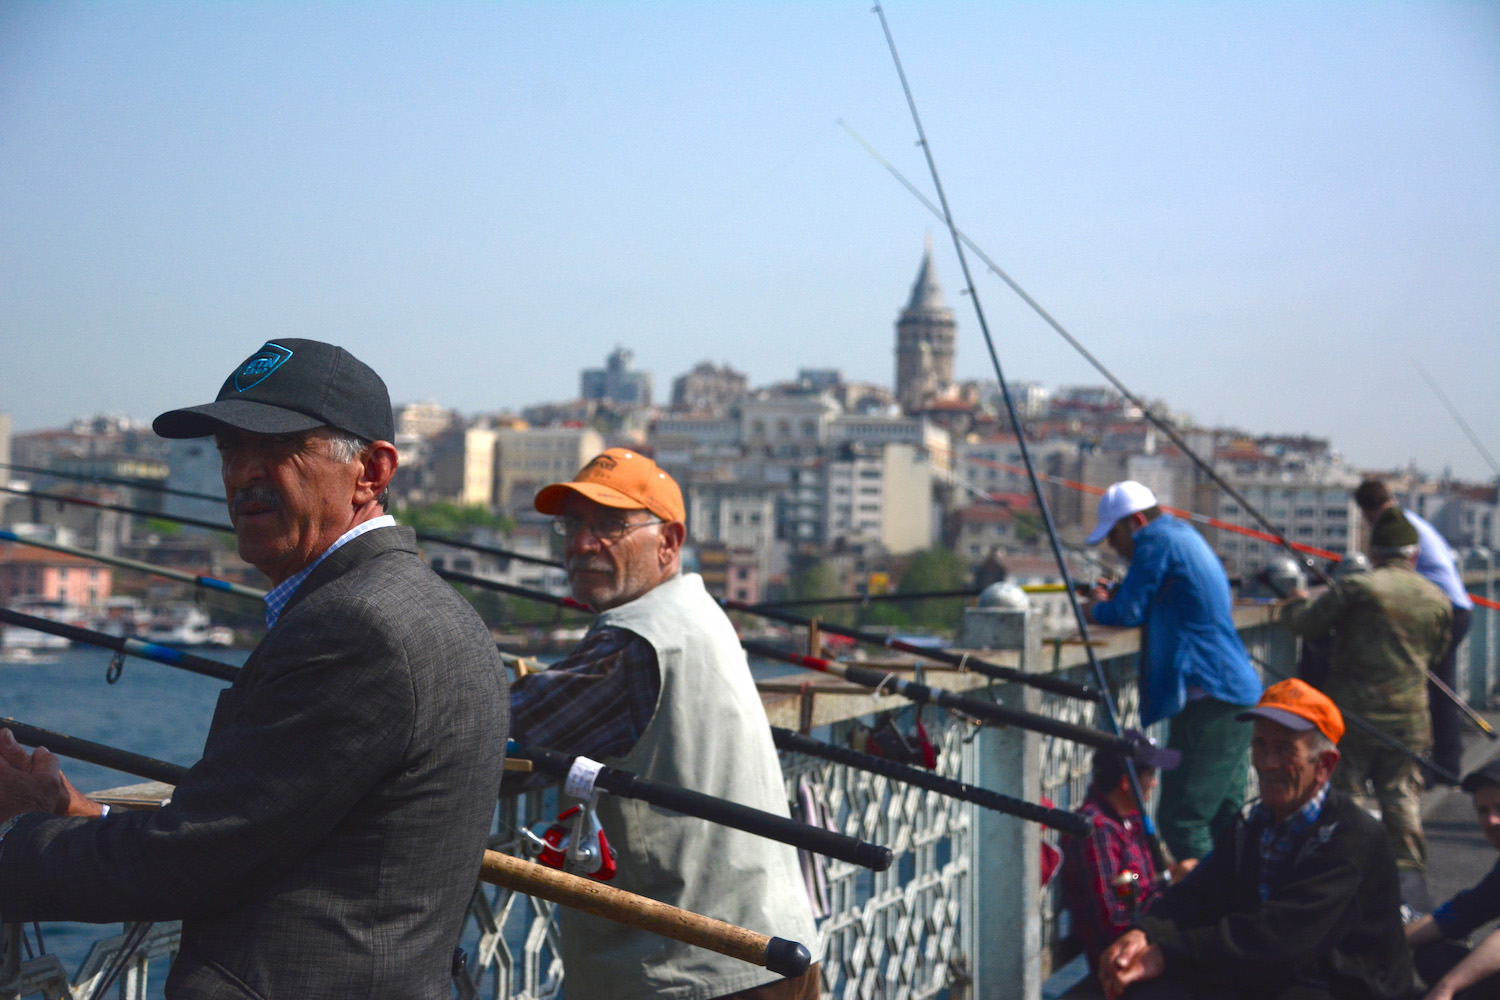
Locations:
787 958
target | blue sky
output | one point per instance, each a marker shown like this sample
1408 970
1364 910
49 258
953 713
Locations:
1264 213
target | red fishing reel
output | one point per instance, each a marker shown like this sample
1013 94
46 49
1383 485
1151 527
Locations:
575 844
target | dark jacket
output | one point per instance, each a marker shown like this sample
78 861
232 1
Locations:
1335 921
327 844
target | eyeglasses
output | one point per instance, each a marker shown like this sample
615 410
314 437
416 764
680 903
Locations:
607 530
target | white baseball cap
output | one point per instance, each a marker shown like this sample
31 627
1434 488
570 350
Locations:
1120 500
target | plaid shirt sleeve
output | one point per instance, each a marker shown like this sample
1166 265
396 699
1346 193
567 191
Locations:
1100 913
595 702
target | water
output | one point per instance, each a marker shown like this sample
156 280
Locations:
154 710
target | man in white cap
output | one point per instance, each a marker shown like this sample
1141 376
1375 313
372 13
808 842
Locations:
1194 669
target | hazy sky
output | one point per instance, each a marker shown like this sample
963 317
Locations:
1264 213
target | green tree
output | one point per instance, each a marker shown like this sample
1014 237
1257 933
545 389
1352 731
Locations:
934 569
819 579
443 518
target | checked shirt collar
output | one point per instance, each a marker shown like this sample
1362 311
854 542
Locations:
1279 842
277 596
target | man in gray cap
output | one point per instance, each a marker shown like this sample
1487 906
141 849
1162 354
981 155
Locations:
327 843
1389 626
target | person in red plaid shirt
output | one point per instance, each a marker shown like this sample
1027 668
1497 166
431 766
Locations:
1109 877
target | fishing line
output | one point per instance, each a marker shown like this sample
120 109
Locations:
1105 699
1161 423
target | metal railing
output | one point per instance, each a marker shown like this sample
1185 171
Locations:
960 914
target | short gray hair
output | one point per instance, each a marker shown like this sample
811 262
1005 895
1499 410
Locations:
1318 743
343 447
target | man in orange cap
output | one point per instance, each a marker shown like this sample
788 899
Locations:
1299 898
660 686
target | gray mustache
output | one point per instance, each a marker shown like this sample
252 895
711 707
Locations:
255 493
585 565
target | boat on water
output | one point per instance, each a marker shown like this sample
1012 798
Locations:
24 645
179 624
184 624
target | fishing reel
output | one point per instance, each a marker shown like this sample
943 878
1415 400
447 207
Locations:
576 842
1127 889
887 740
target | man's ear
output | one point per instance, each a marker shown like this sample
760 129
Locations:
1328 760
377 466
673 535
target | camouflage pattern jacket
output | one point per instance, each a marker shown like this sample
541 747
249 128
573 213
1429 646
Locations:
1389 626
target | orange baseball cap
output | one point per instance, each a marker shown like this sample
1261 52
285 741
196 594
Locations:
1300 707
619 478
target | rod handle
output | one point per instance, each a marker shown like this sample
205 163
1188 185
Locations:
644 913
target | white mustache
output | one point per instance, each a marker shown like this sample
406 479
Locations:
588 566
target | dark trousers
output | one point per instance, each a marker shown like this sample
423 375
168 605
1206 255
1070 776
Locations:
1200 798
1447 720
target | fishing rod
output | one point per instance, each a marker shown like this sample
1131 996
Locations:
1150 414
617 781
1029 588
1161 423
1474 718
422 536
779 955
97 479
922 694
123 647
1212 522
1204 519
95 753
583 776
1111 717
925 595
121 508
995 671
1464 424
197 579
1069 823
868 677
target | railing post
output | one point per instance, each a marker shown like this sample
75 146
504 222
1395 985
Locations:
1482 681
1003 936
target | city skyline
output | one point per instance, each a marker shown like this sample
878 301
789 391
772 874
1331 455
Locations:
1264 215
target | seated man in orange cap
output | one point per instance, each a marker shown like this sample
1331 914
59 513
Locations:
1298 899
660 686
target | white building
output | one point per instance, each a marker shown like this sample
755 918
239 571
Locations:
786 424
881 495
1319 513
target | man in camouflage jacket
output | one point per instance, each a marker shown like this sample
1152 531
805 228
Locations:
1389 626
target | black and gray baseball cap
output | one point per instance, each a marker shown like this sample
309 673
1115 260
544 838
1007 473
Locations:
1488 774
289 386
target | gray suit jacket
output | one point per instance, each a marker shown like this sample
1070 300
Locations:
327 844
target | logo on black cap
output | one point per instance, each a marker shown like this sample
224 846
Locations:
261 364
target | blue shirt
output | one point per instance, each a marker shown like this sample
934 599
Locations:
1435 562
1471 909
1177 590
